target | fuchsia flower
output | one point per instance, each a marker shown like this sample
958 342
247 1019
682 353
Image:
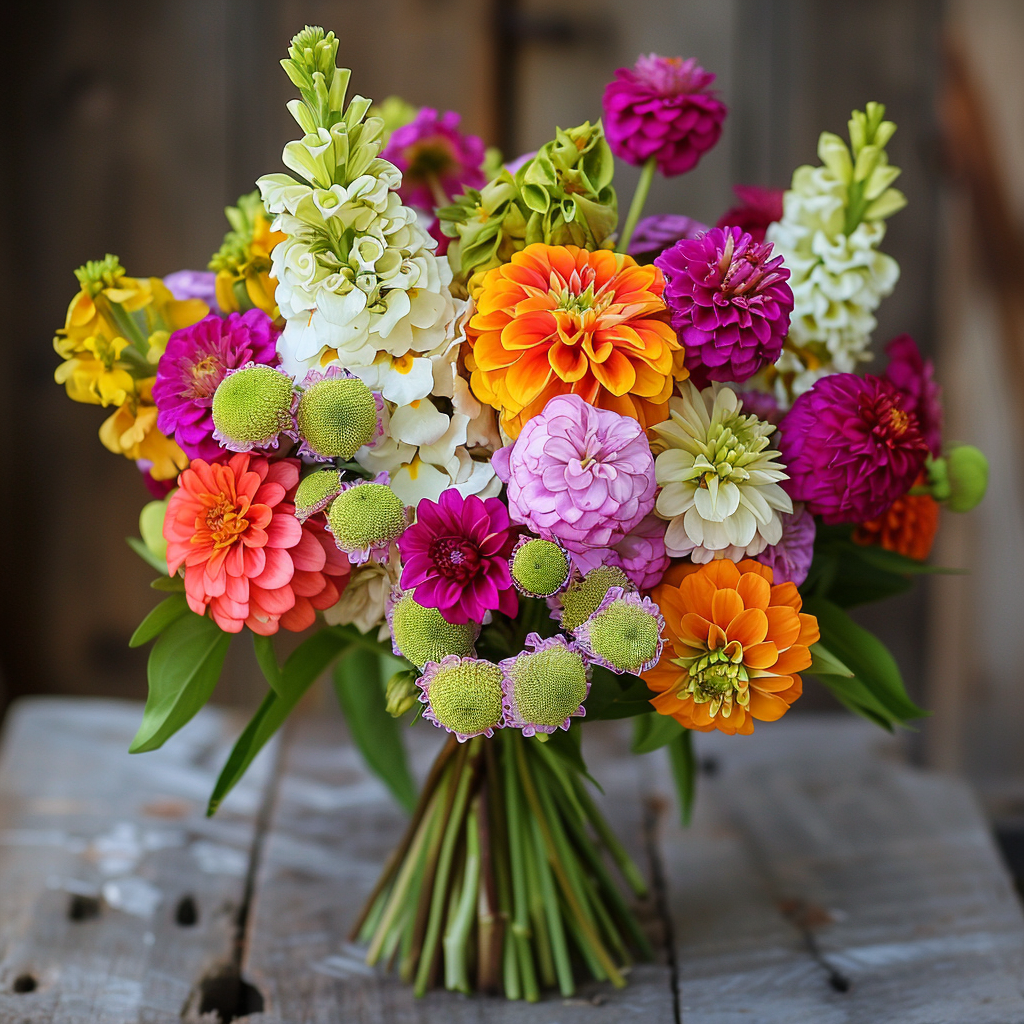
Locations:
730 303
435 158
914 375
196 360
653 235
579 475
757 208
456 557
662 107
790 559
851 447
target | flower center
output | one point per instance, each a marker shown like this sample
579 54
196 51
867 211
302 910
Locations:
578 295
455 557
718 679
747 270
670 76
203 378
429 157
223 523
731 446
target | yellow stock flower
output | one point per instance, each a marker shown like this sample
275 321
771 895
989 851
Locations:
132 432
95 375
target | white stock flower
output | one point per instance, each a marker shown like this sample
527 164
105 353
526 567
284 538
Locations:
363 602
719 478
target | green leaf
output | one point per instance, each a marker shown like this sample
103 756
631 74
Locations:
302 668
856 697
358 683
616 696
184 666
824 662
267 660
167 611
684 772
653 731
174 584
568 745
158 563
866 656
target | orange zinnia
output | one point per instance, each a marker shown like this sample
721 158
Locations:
735 646
558 319
908 526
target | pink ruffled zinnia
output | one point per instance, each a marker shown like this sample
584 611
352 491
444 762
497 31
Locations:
757 208
662 107
579 475
915 377
456 555
247 559
851 447
730 303
196 360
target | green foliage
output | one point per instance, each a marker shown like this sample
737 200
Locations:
684 772
616 696
166 612
139 547
170 584
874 687
184 666
653 731
358 682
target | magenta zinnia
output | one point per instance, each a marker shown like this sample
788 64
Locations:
456 557
196 360
757 208
851 447
662 108
914 376
730 303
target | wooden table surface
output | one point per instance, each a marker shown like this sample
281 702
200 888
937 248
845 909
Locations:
823 882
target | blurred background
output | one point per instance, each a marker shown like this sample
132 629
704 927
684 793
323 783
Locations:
129 128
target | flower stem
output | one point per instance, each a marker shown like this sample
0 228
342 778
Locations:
636 207
456 977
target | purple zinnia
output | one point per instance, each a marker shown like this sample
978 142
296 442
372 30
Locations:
456 557
641 553
196 360
915 377
579 475
653 235
662 107
194 284
730 303
435 158
757 208
851 447
790 559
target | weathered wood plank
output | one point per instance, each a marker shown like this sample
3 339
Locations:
333 826
824 881
105 859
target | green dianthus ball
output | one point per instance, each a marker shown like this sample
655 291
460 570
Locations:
466 697
540 568
366 516
625 635
548 685
252 406
315 492
336 417
423 634
581 600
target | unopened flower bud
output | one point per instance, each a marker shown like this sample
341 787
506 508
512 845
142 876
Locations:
967 472
402 693
545 687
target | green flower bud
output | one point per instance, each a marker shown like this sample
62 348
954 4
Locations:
151 526
540 568
315 492
336 417
423 634
251 407
402 693
366 516
584 596
545 687
463 696
95 275
967 471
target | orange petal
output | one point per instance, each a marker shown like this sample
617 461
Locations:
760 655
783 626
698 590
766 707
750 626
796 659
716 637
755 590
764 571
809 632
725 606
723 573
693 629
787 594
615 373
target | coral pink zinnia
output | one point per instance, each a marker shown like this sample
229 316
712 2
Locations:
456 557
246 557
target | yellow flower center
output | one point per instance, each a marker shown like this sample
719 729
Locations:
223 523
718 678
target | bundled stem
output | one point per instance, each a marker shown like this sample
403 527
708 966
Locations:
501 882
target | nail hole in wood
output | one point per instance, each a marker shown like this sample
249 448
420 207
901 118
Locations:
227 995
709 766
839 982
83 908
186 913
24 983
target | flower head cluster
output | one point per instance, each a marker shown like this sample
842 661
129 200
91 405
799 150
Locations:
663 108
579 475
730 303
832 225
558 320
914 376
851 447
736 644
719 477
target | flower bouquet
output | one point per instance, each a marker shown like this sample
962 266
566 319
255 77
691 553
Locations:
518 469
